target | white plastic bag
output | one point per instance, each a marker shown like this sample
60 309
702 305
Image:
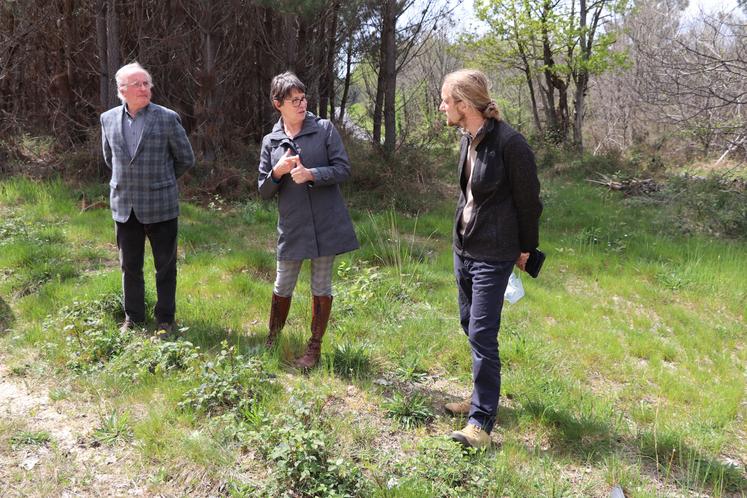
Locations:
514 289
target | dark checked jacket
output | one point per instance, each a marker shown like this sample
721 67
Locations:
146 183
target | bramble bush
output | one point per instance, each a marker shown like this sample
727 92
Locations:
303 461
228 382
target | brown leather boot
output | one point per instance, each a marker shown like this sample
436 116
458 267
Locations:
278 314
319 320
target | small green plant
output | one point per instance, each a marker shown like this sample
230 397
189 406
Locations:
228 382
150 356
30 438
19 370
409 370
410 411
393 249
359 283
440 467
58 393
671 279
91 338
303 459
94 345
351 361
113 428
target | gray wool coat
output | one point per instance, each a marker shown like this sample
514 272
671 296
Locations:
313 219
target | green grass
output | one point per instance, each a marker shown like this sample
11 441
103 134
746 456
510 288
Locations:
623 364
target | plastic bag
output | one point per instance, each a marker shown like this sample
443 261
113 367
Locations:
514 289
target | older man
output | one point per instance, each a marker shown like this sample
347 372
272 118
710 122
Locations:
147 149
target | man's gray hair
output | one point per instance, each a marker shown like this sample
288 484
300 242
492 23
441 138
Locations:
133 67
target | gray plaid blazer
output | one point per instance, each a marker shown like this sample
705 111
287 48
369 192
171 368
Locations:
146 183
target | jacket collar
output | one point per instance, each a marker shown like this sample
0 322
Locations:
310 125
149 116
486 128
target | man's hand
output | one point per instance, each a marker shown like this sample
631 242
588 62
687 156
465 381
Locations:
284 165
300 174
521 261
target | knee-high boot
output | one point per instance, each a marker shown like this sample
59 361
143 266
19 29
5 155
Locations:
278 315
319 320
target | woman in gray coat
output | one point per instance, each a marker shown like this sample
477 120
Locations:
303 161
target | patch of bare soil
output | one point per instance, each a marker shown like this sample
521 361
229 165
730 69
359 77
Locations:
70 463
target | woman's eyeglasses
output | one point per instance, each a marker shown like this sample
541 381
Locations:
296 102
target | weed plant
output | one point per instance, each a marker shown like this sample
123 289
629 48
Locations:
351 361
410 370
440 467
409 410
303 459
113 428
228 382
30 438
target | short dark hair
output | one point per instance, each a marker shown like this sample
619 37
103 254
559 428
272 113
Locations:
283 84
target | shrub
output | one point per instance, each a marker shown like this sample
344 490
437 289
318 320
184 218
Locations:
149 355
228 382
303 460
715 205
441 467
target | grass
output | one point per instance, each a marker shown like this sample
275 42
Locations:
623 364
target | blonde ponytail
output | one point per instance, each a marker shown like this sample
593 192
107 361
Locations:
492 111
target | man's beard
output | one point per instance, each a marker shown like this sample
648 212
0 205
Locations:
458 122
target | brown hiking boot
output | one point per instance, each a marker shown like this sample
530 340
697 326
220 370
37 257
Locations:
459 407
472 436
278 314
319 320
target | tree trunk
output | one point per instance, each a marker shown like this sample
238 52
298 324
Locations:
331 57
104 78
112 48
578 113
322 39
207 113
390 77
533 99
581 80
346 86
379 101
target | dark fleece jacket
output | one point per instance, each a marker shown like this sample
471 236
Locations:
505 189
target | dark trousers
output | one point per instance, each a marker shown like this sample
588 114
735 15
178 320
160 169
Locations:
481 287
131 244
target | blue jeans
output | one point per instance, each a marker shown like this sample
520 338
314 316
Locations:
482 285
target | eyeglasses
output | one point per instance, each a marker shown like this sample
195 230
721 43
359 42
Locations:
137 84
296 102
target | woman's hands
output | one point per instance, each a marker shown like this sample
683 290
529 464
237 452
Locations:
292 164
284 165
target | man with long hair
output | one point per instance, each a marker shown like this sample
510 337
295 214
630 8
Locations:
496 227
